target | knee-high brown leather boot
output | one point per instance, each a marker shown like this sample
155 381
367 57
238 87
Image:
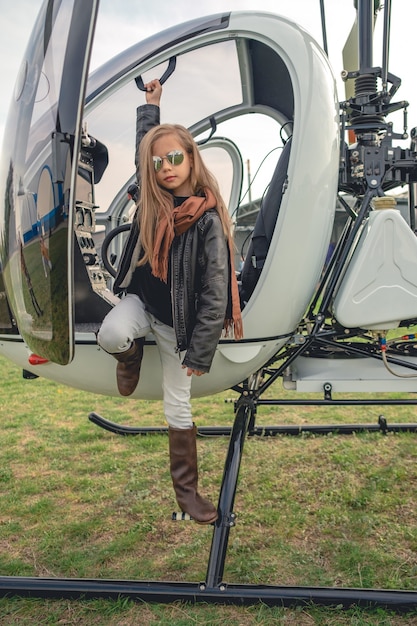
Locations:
184 473
128 367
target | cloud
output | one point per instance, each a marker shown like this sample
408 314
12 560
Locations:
14 35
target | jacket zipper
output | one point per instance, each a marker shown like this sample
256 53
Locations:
173 271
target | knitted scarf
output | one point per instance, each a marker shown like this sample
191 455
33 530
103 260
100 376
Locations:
185 216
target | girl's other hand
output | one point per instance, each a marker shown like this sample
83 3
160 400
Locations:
191 371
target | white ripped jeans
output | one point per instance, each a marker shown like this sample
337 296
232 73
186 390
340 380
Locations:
129 320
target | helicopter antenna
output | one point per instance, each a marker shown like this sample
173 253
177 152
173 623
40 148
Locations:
323 26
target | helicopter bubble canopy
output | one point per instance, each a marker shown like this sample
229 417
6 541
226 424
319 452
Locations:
257 80
262 79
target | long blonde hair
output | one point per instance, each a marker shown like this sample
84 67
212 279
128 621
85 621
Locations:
155 201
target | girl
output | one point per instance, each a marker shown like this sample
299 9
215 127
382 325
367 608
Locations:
177 280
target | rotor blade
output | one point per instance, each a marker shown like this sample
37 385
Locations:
350 55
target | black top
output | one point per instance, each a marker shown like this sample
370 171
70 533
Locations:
154 293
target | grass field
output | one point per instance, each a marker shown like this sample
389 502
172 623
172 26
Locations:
77 501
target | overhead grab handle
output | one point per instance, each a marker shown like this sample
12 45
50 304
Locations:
171 67
213 125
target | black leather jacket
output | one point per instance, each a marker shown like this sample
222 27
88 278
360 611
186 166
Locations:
199 275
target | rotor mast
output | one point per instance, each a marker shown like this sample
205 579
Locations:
370 161
366 23
367 109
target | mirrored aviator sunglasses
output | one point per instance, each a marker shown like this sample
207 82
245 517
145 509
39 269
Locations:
176 157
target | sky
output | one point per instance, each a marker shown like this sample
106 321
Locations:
121 23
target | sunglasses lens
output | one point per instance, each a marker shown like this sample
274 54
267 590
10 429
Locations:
176 157
157 163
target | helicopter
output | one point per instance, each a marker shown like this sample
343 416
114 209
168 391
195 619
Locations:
327 260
